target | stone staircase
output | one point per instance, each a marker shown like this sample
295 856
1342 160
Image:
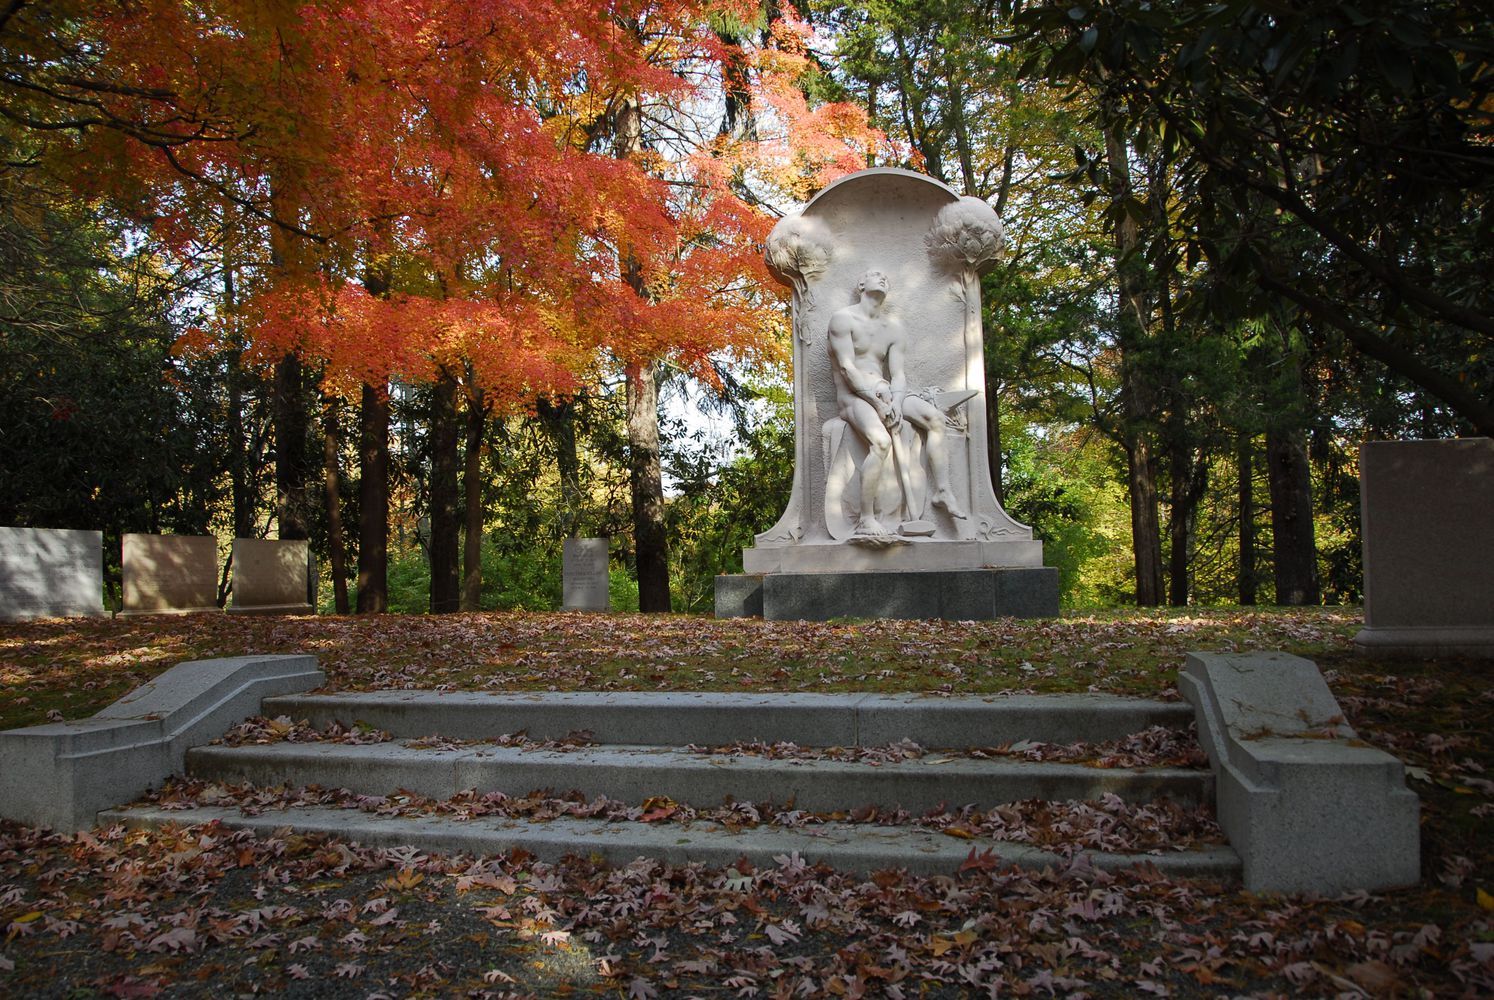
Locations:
641 747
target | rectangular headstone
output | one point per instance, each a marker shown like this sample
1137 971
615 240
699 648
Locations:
51 573
1428 532
169 574
271 576
585 577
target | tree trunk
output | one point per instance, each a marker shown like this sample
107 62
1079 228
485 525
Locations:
446 519
289 409
1246 483
477 423
238 455
1292 544
650 542
1189 484
1146 532
331 450
373 501
292 470
1138 396
956 97
238 447
559 419
1179 527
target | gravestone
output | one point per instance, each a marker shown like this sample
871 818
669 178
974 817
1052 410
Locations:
271 577
51 573
1428 535
169 574
892 512
584 575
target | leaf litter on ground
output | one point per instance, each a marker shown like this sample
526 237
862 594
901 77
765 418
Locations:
205 911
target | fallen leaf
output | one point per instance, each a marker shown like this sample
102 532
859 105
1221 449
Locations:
1374 976
658 807
405 878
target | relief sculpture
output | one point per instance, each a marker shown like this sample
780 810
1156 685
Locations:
877 477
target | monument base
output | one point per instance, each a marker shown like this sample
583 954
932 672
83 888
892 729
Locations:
270 609
951 594
1474 642
915 556
209 609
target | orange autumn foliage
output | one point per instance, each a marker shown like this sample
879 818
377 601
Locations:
453 145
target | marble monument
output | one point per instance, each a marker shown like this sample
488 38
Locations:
892 512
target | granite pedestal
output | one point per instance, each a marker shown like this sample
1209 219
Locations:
952 594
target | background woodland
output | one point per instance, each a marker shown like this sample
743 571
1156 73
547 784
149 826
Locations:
438 285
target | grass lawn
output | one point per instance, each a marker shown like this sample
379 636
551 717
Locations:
198 912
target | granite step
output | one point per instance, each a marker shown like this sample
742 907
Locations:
714 718
640 746
632 774
849 847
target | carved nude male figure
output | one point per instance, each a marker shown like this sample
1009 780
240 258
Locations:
866 355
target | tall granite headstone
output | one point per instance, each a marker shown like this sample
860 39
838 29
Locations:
169 574
1428 535
584 575
51 573
892 512
271 577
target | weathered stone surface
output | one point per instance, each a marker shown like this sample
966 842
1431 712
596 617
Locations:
953 595
676 718
633 774
169 574
847 847
1428 519
585 577
1308 807
885 265
891 473
739 595
51 573
61 774
654 725
271 577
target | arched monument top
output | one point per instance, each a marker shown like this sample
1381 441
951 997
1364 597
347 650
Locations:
872 173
